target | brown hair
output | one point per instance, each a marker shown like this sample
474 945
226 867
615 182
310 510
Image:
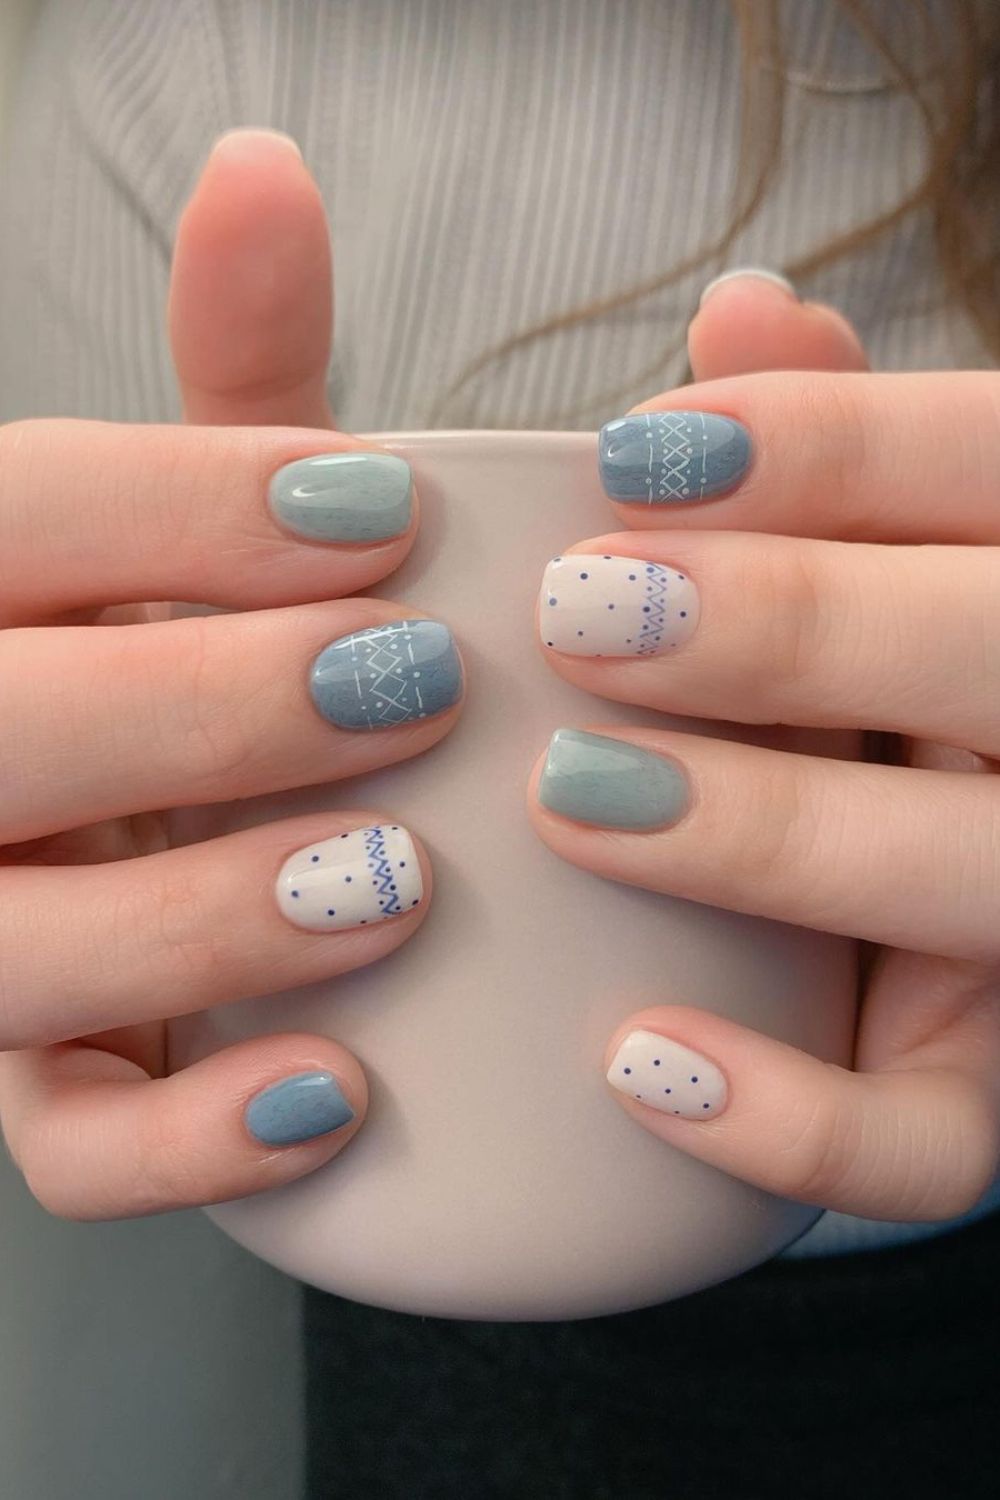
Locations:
958 101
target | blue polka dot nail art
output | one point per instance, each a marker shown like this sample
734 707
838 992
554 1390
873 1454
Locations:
616 606
668 1076
351 880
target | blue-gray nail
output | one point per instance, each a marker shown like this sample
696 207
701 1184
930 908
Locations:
666 457
344 497
298 1108
595 779
388 675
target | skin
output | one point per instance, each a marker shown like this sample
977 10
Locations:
819 590
848 582
155 717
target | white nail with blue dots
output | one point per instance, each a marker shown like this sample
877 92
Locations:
668 1076
354 879
601 605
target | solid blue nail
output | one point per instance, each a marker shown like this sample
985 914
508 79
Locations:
388 675
297 1109
671 457
344 497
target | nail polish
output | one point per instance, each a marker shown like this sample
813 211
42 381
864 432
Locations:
665 457
668 1076
615 606
298 1108
352 880
593 778
757 272
344 497
391 674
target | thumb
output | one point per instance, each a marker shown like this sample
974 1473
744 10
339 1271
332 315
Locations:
752 320
251 292
915 1139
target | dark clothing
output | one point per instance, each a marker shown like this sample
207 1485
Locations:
869 1376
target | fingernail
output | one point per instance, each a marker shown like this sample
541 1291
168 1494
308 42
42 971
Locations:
249 135
344 497
615 606
595 779
774 277
668 1076
351 880
665 457
297 1109
389 675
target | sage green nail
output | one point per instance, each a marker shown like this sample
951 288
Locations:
344 497
594 779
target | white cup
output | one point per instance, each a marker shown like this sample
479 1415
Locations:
495 1176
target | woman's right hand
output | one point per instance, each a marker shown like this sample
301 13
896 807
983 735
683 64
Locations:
113 712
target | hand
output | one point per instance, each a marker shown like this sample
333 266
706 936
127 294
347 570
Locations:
845 576
105 929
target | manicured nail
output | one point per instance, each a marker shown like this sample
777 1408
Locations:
344 497
615 606
351 880
249 135
388 675
668 1076
664 457
297 1109
595 779
774 277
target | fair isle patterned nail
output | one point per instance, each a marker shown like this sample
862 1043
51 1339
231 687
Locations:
663 457
388 675
668 1076
352 880
615 606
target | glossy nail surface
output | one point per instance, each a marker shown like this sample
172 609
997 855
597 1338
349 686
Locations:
666 457
352 880
615 606
757 273
297 1109
389 675
593 778
344 497
668 1076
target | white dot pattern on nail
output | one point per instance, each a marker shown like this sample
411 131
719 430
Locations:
615 606
352 880
668 1076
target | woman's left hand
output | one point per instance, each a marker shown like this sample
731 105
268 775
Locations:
847 575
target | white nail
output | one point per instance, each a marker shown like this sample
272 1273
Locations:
615 606
774 277
352 880
668 1076
250 135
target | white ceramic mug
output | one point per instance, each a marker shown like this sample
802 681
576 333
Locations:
495 1176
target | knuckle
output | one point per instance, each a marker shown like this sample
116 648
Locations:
784 595
53 1188
817 1162
959 1161
209 732
168 1172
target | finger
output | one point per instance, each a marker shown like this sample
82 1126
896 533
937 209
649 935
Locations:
793 837
251 291
100 722
776 630
917 1140
861 457
750 321
256 912
94 514
97 1138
